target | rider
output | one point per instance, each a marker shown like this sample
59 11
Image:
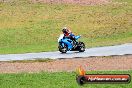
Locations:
67 33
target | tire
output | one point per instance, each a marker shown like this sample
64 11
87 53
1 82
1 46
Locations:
63 49
81 47
80 80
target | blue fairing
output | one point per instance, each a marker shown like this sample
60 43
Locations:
68 42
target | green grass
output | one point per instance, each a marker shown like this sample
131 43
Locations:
54 80
34 27
32 61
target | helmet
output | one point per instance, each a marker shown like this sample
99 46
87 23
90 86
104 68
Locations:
65 30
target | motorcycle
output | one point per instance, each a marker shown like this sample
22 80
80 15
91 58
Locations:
66 44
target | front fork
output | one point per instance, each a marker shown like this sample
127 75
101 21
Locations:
62 44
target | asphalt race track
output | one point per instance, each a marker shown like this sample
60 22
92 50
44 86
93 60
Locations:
98 51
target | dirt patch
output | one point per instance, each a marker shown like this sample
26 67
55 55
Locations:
82 2
91 63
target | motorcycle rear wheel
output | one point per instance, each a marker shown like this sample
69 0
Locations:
81 47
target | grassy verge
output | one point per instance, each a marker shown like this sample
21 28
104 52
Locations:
32 61
34 27
54 80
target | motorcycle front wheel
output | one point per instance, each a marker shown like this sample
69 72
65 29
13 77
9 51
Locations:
63 49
